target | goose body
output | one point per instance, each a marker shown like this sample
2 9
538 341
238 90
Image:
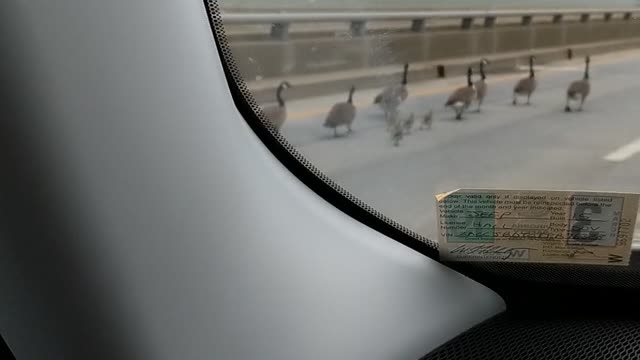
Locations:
277 114
392 96
526 86
342 114
427 121
462 97
400 124
579 89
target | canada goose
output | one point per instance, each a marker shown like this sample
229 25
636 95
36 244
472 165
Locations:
342 114
481 85
579 88
392 96
399 123
462 97
527 85
427 120
277 114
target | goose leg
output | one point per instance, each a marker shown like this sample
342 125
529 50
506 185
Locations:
335 131
528 99
515 99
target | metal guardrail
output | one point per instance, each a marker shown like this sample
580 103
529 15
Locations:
280 22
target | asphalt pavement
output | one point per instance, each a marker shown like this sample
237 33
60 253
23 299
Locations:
523 147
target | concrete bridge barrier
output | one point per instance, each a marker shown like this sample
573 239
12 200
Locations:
479 34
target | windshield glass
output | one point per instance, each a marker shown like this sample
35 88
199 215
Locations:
396 104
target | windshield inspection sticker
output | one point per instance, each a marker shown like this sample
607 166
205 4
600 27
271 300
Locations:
536 226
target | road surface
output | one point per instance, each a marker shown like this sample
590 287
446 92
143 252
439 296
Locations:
524 147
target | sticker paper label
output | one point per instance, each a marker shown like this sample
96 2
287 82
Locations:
536 226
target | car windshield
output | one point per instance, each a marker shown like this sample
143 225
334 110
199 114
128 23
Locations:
397 101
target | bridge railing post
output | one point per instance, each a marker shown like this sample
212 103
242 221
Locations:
358 28
418 25
489 21
467 22
280 31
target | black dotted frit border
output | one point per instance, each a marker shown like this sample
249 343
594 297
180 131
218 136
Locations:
295 161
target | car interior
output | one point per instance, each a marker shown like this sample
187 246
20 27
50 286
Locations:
152 210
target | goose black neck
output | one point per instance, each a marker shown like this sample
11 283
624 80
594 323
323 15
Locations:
469 82
532 74
405 74
279 95
350 100
586 70
482 74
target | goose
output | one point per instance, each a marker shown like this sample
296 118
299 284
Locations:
462 97
481 85
427 121
400 122
277 114
526 86
342 114
392 96
579 88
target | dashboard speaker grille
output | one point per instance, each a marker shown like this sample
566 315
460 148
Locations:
505 337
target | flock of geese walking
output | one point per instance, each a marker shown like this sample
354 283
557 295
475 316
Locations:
392 97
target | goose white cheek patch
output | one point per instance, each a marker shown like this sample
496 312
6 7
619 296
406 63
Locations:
572 227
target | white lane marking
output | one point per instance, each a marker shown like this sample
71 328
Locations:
624 152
